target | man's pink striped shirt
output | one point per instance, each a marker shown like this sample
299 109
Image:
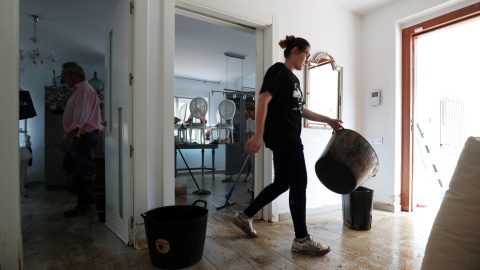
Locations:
82 110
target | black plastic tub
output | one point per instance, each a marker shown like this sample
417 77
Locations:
347 162
176 234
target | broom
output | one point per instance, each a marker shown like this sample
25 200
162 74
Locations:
227 196
200 191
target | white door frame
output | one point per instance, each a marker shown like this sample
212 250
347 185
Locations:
11 247
153 91
153 55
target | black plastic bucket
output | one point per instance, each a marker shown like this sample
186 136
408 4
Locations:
347 161
176 234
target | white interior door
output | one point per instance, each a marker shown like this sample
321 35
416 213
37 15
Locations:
119 114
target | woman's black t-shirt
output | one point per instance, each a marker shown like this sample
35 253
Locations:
283 124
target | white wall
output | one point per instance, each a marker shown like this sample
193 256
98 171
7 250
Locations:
329 28
380 68
34 80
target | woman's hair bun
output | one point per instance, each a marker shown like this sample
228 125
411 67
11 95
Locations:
284 42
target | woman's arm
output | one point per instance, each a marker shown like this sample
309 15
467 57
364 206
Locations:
254 144
334 123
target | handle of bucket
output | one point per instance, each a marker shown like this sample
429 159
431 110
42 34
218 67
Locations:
149 218
341 127
203 201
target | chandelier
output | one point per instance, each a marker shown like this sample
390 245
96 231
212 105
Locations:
36 56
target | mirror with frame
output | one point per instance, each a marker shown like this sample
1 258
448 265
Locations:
323 89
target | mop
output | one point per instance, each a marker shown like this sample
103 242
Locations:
200 191
227 196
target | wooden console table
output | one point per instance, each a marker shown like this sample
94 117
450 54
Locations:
202 147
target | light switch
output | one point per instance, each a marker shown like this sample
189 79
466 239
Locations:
376 140
375 98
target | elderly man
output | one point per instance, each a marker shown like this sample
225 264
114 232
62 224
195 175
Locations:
82 125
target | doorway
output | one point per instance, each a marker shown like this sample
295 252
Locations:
440 90
446 105
226 55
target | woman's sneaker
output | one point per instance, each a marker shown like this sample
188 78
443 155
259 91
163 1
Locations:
310 247
244 224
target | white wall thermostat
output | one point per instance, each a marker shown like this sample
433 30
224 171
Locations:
375 98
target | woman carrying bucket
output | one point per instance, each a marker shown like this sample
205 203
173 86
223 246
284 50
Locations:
278 118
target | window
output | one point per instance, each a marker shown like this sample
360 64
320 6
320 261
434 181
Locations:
181 108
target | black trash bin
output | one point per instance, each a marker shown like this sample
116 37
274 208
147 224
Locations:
357 209
176 234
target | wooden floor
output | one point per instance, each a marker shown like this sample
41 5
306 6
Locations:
50 241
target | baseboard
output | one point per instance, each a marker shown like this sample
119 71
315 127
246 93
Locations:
386 207
312 211
323 209
207 172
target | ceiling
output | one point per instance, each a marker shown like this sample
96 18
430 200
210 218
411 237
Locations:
205 57
75 31
362 7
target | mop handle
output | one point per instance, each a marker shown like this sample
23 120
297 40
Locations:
227 196
233 187
187 166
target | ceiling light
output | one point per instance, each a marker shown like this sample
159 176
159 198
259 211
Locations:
234 55
36 56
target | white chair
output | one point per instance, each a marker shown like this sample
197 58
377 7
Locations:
198 111
226 110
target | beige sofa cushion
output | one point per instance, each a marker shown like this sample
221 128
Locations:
454 242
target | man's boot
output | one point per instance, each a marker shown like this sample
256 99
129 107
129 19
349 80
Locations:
85 197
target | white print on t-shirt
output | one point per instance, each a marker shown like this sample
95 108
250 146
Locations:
297 93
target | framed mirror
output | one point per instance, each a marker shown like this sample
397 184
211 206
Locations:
323 89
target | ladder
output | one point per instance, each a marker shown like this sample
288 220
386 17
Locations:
428 160
428 154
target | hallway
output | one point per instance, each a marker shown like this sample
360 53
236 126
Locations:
50 241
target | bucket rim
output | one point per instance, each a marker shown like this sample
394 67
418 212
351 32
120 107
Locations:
175 206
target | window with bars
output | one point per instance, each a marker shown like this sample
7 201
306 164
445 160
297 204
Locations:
452 125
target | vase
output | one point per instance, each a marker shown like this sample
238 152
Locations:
96 83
